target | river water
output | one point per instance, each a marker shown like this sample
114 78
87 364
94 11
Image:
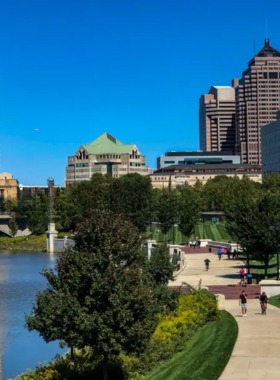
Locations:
19 282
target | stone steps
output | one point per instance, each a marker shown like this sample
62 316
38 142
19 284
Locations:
232 292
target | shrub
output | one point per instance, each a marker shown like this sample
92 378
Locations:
171 335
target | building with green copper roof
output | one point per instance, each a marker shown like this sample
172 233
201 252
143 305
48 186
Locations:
105 155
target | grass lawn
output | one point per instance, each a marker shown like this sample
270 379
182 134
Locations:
29 242
206 355
214 232
257 268
275 301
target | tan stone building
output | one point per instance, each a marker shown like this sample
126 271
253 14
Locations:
8 187
257 101
178 175
217 119
105 155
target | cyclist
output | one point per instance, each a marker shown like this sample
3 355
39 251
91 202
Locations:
207 262
263 301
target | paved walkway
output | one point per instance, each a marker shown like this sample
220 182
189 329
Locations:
224 272
256 355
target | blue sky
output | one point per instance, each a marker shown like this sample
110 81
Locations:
133 68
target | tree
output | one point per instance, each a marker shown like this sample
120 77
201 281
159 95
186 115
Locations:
13 227
132 196
159 268
188 210
166 207
36 212
84 199
97 295
253 222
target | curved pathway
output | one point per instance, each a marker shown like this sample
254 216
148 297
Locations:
256 355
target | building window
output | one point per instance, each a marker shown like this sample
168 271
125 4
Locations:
2 194
273 75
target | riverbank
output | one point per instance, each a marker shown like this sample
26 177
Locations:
30 243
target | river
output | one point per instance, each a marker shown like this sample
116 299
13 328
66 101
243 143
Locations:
19 282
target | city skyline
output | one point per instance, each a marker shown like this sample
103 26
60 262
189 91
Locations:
136 71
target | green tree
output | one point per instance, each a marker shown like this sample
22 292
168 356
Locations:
13 227
36 213
133 197
159 268
84 199
97 296
166 209
253 222
188 210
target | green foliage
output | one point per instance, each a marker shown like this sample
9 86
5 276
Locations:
253 222
206 355
159 269
133 197
36 213
188 210
173 333
97 296
166 209
13 227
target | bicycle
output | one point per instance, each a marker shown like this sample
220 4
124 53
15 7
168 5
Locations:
263 307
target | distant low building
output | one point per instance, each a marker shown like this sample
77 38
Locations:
25 191
105 155
178 175
197 158
8 187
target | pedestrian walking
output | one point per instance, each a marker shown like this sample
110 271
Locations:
263 302
219 253
241 274
228 253
207 262
209 249
243 303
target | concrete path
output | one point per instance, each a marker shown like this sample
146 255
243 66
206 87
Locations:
256 355
224 272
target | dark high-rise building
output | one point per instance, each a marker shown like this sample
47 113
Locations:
257 98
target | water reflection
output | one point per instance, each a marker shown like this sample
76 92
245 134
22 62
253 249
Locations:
19 282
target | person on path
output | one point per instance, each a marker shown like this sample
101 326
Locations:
207 262
244 281
243 303
209 249
219 253
242 274
228 253
263 301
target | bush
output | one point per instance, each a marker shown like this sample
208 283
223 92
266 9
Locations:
171 335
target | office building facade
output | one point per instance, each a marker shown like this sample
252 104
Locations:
217 119
105 155
270 146
179 175
257 101
196 158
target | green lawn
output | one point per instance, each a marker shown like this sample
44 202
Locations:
206 355
29 242
214 232
275 301
257 268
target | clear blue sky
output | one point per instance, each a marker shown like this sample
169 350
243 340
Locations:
133 68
